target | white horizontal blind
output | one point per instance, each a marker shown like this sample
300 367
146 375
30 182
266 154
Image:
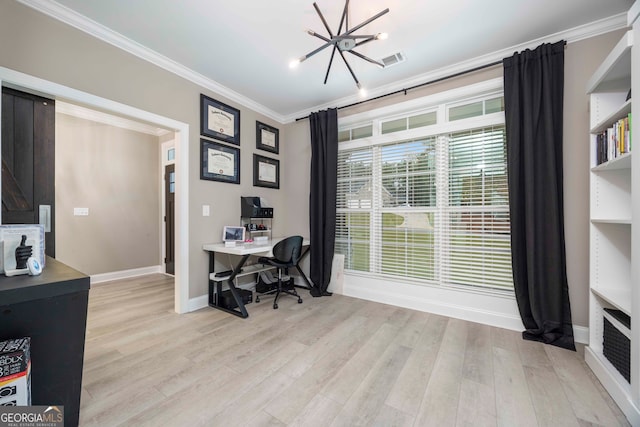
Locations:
433 209
476 214
403 236
354 206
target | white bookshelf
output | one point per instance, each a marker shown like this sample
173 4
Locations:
614 271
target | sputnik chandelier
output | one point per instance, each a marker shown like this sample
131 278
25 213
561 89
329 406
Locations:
345 41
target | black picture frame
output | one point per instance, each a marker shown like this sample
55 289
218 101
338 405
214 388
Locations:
266 172
227 162
267 138
219 120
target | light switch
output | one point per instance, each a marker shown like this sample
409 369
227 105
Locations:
205 210
81 211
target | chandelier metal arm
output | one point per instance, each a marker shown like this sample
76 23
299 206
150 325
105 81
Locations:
373 18
360 43
313 52
357 36
321 37
346 14
336 39
349 67
333 52
366 58
324 22
345 17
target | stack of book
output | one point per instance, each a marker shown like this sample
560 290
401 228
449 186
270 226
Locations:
614 141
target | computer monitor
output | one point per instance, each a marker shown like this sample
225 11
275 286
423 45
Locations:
232 233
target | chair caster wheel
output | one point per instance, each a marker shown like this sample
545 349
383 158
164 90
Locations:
257 299
275 306
299 300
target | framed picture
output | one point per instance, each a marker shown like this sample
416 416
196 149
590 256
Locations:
267 137
219 162
266 172
219 121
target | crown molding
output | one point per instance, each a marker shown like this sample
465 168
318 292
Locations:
108 119
74 19
107 35
613 23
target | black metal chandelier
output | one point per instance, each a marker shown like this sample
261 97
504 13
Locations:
345 41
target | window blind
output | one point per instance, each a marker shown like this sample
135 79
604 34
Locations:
476 213
433 209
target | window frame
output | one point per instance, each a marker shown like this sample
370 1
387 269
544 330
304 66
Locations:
440 103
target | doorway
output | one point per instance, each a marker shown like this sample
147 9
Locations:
28 162
27 83
168 203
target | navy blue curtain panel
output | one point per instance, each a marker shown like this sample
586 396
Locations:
533 95
322 198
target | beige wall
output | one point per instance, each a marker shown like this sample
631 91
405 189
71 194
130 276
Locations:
581 60
115 173
35 44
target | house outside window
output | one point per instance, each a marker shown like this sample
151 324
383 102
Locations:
423 198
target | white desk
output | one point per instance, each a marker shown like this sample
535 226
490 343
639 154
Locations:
244 250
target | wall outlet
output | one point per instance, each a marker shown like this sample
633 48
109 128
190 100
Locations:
81 211
206 211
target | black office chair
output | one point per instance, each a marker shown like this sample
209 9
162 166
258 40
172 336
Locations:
286 254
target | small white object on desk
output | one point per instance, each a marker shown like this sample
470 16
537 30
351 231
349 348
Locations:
34 267
16 272
261 240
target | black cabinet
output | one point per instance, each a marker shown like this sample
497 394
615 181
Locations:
52 310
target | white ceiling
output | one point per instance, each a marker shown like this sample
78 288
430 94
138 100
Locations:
242 49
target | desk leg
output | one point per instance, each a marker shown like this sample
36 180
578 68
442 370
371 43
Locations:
309 286
241 311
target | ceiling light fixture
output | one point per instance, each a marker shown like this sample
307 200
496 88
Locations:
344 41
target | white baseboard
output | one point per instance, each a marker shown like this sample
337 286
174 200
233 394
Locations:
198 303
125 274
490 310
612 382
494 310
581 334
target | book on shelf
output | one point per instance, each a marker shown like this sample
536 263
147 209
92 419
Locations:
614 141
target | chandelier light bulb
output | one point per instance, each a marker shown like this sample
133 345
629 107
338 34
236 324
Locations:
294 63
361 90
382 36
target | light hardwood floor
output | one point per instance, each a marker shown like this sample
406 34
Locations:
335 361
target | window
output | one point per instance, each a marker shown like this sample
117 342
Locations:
355 133
477 108
410 122
433 209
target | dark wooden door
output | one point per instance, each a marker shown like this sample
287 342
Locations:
28 162
169 219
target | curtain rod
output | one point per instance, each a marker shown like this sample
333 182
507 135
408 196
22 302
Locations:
461 73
